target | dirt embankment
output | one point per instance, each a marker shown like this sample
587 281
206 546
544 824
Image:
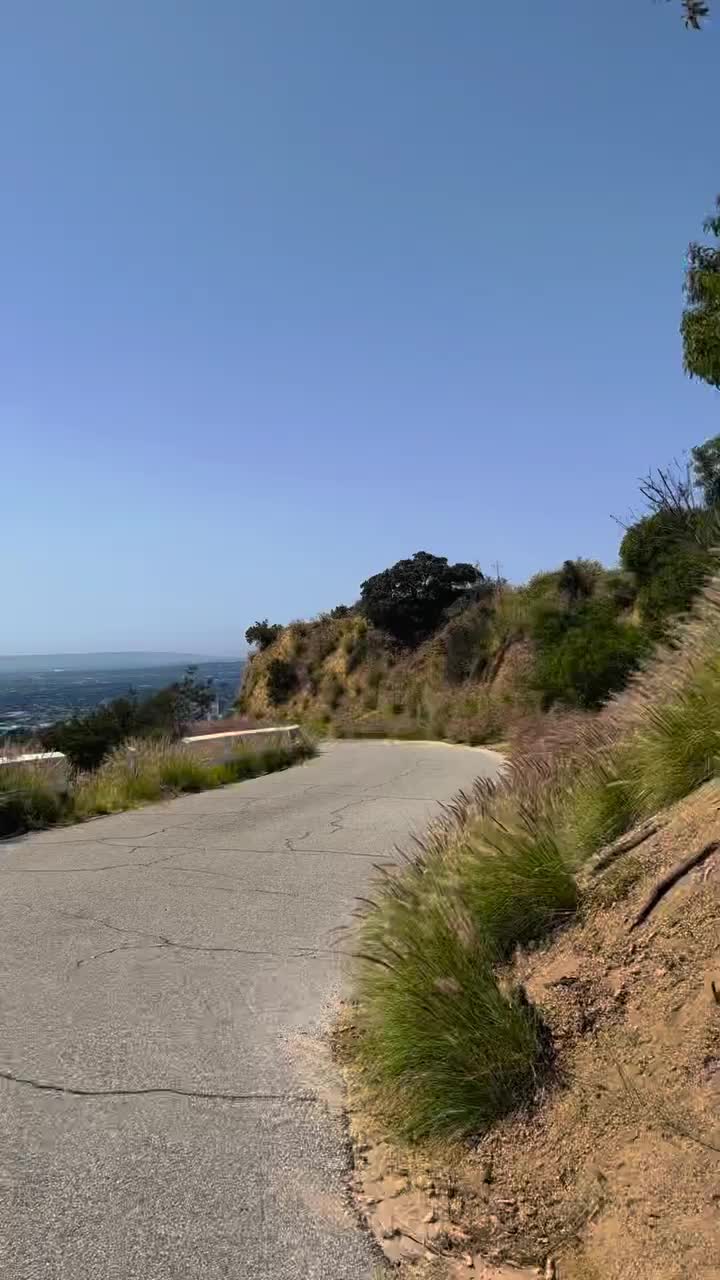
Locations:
614 1173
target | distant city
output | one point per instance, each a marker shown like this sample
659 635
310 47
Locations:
55 686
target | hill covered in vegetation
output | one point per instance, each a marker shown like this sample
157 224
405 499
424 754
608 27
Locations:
441 650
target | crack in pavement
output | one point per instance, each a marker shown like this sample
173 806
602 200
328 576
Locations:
109 866
159 942
207 1095
224 875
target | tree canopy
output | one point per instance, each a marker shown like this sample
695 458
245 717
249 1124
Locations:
409 599
700 325
706 470
263 633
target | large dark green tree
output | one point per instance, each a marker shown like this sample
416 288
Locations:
410 599
700 326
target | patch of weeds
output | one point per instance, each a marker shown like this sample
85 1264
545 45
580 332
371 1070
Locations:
28 801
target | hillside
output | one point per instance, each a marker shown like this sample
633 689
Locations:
533 1046
345 677
439 650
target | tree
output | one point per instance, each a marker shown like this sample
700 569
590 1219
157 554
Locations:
706 470
576 580
667 553
263 633
87 739
700 325
409 600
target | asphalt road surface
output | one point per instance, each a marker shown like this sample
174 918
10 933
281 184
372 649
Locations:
168 1110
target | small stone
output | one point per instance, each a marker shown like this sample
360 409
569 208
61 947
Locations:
660 971
390 1233
468 1260
430 1216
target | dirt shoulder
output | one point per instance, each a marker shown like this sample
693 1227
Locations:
614 1174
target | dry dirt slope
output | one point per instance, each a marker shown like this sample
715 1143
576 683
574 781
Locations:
615 1173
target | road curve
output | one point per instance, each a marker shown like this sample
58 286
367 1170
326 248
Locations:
166 1103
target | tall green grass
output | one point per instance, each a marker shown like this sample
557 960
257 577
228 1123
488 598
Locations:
449 1049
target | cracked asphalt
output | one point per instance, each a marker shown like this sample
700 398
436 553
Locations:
168 1110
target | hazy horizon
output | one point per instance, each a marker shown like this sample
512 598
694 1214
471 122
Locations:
111 659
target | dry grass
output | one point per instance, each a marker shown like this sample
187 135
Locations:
135 774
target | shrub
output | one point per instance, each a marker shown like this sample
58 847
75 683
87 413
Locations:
355 645
467 645
584 655
87 739
263 634
333 690
282 681
668 552
27 800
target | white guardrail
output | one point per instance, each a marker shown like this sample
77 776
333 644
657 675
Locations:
213 747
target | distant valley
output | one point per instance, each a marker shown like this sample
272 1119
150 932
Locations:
61 685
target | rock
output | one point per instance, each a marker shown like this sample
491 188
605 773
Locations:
468 1260
389 1233
430 1216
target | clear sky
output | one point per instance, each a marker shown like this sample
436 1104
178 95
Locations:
293 288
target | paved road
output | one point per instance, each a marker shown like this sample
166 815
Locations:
167 1110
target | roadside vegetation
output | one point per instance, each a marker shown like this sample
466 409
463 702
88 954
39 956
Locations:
134 774
168 714
625 666
444 1037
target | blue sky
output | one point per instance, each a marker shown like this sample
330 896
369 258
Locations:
294 288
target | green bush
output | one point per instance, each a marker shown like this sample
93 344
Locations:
584 655
669 554
282 681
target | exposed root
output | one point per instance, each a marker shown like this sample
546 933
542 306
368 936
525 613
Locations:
667 882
